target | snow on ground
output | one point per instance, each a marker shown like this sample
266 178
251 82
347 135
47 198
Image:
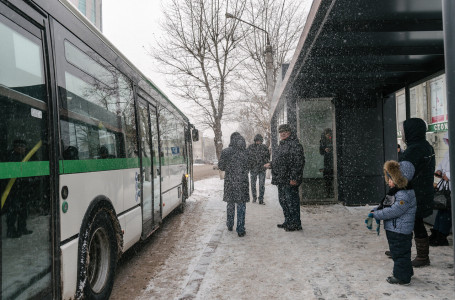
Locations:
334 257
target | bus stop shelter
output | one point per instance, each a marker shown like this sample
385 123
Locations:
358 54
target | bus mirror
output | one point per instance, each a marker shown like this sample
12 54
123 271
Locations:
195 134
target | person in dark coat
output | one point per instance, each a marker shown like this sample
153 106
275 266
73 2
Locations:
326 149
287 173
258 156
20 194
421 154
234 161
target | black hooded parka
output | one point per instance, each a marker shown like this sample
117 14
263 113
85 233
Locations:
421 154
234 161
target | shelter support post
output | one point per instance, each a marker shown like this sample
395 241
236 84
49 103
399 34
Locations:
448 13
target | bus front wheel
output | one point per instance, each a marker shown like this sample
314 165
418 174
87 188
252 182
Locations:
98 257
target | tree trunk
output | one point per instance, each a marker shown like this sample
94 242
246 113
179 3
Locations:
218 139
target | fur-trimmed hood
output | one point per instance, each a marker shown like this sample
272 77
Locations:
400 173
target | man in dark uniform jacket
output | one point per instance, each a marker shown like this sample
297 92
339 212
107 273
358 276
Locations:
287 173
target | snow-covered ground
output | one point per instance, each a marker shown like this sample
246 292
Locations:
334 257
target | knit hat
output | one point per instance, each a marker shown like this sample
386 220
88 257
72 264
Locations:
392 170
258 138
284 127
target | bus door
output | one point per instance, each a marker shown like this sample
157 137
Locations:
156 169
26 237
150 170
146 167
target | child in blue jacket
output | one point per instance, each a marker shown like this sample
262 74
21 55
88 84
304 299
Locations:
398 211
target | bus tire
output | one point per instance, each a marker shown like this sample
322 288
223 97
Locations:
98 257
181 208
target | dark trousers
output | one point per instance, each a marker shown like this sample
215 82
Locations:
420 232
241 209
288 197
400 248
253 177
443 222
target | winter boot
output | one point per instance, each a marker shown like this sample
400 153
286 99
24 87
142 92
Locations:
439 240
423 249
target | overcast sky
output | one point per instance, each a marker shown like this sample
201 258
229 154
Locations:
132 26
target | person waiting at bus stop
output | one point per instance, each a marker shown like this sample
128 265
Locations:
443 219
421 154
287 173
258 156
16 203
234 161
326 149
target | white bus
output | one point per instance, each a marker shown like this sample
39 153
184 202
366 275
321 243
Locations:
93 156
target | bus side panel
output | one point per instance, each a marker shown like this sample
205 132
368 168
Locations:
133 221
83 188
170 201
69 269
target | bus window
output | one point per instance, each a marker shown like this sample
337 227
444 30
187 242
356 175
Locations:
97 115
24 164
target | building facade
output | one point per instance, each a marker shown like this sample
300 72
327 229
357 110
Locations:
92 9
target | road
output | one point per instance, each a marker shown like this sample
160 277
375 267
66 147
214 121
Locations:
145 261
204 171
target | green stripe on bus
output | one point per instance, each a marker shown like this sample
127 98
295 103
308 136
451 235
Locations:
94 165
24 169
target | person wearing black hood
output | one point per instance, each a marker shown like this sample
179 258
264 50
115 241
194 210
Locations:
234 161
287 173
258 156
421 154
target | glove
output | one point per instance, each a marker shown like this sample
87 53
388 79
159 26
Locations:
369 222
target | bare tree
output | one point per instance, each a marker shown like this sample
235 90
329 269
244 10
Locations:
284 21
199 51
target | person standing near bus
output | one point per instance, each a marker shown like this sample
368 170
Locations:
421 154
287 173
258 156
234 161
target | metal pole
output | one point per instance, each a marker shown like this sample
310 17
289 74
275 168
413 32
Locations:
448 20
407 97
270 81
269 71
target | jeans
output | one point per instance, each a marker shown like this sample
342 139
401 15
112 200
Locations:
443 222
289 199
241 208
253 177
400 248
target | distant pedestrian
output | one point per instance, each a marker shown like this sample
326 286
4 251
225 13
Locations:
398 212
326 149
421 154
258 156
234 161
287 173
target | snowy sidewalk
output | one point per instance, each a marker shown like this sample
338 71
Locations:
334 257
